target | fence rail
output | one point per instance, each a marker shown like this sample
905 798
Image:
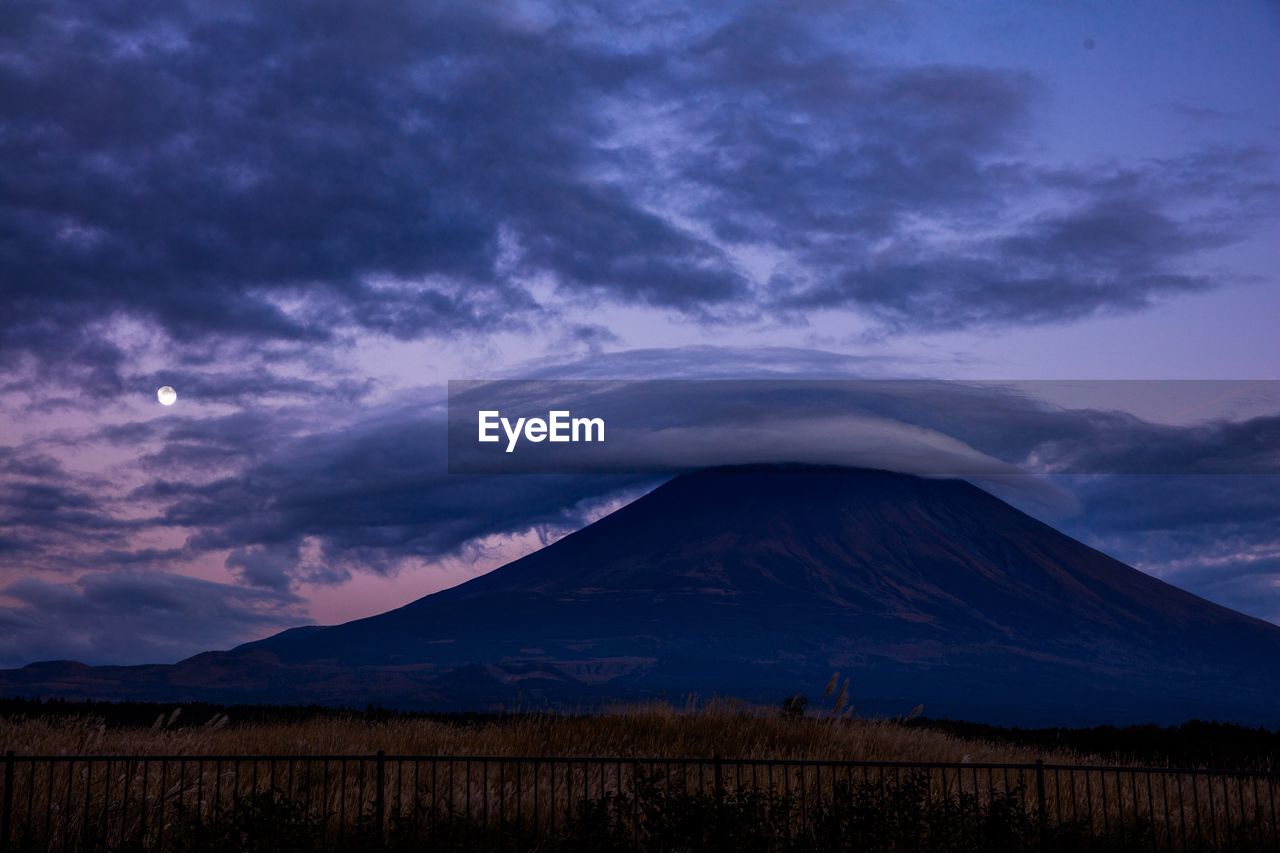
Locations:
97 802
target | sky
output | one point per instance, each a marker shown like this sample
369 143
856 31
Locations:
307 217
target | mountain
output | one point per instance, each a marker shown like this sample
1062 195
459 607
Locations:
759 582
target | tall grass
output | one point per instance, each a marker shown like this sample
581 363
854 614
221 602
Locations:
716 728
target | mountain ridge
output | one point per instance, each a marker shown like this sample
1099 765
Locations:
759 581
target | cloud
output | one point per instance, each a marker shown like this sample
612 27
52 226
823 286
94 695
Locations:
292 497
247 194
131 616
713 362
371 495
906 192
1110 256
293 172
300 177
314 495
316 502
1215 535
49 516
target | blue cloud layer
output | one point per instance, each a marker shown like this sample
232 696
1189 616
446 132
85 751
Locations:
295 175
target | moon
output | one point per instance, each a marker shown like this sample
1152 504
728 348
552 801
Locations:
167 396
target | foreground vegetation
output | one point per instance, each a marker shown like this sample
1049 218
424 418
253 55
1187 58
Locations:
650 730
754 794
864 817
715 728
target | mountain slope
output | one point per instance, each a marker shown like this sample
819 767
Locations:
759 582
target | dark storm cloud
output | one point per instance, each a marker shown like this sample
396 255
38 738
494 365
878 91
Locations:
1217 536
803 145
1242 582
1139 502
278 567
891 189
49 515
1129 445
284 171
128 616
199 447
1112 255
296 173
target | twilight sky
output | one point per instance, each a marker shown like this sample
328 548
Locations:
307 216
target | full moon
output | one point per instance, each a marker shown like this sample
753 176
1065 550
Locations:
167 396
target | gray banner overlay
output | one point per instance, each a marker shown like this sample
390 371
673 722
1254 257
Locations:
928 427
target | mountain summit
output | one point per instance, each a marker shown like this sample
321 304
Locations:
758 582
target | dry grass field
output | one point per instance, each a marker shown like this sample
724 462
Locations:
649 730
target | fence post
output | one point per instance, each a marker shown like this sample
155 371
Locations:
6 816
380 795
1042 814
718 766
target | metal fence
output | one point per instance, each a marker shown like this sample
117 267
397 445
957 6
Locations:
95 802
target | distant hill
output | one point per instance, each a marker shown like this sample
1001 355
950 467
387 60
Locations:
759 582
